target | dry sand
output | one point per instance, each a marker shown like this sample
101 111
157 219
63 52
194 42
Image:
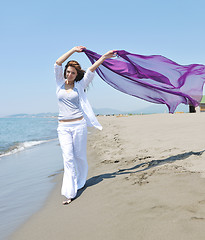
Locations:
145 182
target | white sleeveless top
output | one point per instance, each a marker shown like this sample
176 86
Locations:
69 104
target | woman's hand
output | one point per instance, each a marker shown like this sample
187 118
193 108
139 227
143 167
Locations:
79 48
65 56
110 54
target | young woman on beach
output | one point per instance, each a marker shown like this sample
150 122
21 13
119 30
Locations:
75 113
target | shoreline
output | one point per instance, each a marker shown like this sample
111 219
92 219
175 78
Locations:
26 176
145 181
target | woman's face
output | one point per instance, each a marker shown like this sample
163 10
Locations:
71 74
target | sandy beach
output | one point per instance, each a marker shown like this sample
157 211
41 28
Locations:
146 181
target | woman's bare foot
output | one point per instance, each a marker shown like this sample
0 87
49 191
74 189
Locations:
66 201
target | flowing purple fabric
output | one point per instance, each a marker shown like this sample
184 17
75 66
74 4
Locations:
152 78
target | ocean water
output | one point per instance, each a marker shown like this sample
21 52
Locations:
17 134
30 156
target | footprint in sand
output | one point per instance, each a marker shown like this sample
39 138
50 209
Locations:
202 202
110 161
162 207
197 218
143 158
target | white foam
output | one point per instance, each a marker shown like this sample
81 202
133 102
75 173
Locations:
22 146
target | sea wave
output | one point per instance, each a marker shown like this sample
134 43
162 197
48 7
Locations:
22 146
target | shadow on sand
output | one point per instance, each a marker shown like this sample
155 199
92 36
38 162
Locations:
139 168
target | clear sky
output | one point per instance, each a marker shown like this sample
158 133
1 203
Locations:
35 33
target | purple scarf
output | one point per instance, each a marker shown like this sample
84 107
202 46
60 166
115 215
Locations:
153 78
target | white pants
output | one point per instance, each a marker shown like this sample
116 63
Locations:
73 140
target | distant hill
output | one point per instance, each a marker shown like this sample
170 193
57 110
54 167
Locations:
107 111
40 115
161 108
155 108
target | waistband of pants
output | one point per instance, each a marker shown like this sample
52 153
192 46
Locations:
74 123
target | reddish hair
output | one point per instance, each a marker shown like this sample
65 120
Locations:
76 65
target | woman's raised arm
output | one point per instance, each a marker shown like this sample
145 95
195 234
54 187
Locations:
65 56
109 54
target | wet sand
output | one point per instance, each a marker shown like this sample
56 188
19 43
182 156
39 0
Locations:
146 181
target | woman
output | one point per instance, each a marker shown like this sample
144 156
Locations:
75 113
